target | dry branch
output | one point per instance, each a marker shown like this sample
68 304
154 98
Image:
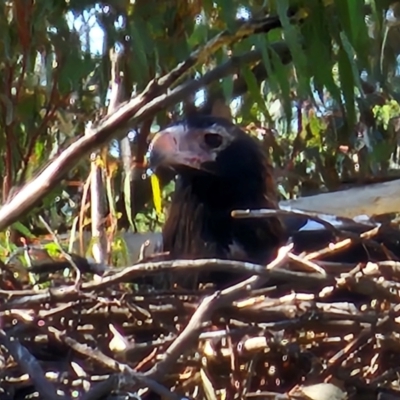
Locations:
29 364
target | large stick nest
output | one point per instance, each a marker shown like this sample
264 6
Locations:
298 328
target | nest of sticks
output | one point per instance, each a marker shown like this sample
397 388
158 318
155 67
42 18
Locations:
297 329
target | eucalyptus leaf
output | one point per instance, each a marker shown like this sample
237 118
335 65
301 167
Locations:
140 64
347 84
292 38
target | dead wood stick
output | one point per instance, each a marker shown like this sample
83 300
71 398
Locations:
30 366
208 306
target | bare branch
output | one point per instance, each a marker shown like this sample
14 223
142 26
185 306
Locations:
374 199
29 365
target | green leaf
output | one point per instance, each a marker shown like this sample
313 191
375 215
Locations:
227 82
254 89
52 248
352 18
292 38
381 152
347 84
208 6
181 49
280 72
228 13
352 59
262 43
314 126
316 31
73 70
39 149
140 64
227 87
26 107
198 36
274 36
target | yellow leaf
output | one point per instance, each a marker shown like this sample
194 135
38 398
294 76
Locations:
302 13
155 185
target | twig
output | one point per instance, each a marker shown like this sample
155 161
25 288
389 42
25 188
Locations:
78 276
204 312
103 389
29 365
345 244
83 209
127 374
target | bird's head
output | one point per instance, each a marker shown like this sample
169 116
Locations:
205 145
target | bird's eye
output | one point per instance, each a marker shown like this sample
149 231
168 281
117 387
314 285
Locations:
213 140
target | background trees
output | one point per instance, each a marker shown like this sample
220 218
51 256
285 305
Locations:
317 81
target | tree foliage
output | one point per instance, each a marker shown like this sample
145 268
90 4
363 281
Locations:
321 89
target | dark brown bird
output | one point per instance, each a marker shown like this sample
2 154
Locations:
219 169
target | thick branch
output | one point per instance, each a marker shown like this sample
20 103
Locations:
376 199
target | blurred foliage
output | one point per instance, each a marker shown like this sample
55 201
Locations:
328 118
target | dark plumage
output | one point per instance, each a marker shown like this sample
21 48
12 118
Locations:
220 168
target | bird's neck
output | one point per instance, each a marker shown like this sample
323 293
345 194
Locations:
199 223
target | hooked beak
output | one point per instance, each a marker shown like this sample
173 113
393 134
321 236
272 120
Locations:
171 148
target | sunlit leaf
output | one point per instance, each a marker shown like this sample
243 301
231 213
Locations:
155 185
314 126
53 249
